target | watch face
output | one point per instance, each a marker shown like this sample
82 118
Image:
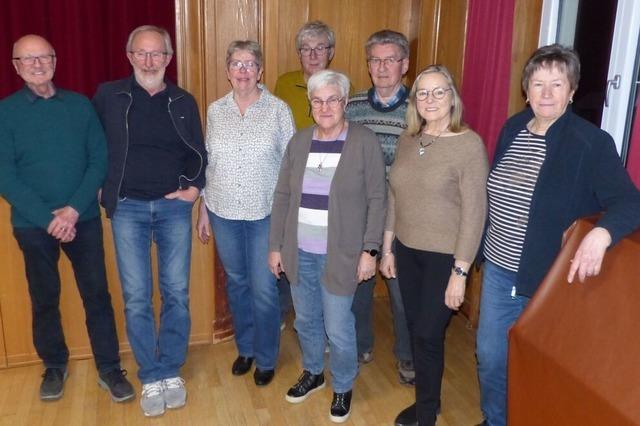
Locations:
372 252
459 271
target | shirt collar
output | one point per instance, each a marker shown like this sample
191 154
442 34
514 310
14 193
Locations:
136 87
397 97
32 96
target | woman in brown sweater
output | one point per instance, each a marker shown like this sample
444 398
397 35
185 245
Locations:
436 213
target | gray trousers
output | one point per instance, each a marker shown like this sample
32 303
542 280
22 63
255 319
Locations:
362 309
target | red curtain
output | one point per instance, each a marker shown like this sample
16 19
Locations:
89 37
633 158
487 67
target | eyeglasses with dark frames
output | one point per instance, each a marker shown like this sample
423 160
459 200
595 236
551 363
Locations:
320 50
386 61
30 60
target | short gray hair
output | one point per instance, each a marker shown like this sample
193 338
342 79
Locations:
328 78
388 37
250 46
315 29
144 28
553 56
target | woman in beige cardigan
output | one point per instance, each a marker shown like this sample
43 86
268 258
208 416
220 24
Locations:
326 228
436 214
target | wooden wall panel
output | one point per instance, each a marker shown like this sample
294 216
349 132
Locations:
189 49
278 36
441 35
426 35
526 29
452 32
352 21
225 21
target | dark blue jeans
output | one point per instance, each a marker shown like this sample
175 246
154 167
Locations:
41 253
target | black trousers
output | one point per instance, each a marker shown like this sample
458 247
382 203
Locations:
423 277
41 252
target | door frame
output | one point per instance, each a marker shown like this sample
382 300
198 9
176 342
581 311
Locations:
616 117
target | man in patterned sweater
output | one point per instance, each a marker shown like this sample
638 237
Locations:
382 108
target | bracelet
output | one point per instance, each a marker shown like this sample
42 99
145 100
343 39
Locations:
386 253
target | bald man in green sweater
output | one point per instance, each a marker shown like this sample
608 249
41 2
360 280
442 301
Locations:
53 159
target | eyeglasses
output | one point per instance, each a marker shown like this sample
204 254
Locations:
141 55
249 65
30 60
437 93
375 62
332 102
318 50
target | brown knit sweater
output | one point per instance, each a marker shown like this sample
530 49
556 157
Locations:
437 201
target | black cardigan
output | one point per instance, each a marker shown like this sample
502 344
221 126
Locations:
582 175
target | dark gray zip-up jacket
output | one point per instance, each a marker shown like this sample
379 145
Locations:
112 102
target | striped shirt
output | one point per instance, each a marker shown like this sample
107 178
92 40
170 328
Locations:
313 215
510 188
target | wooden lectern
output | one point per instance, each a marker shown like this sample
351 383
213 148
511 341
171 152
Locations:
574 354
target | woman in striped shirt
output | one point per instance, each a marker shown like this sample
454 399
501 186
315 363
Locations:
551 167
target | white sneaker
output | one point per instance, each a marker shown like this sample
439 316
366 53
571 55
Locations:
175 394
152 401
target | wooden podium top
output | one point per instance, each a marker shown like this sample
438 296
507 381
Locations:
574 354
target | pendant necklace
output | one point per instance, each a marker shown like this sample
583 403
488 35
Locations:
322 161
423 145
319 167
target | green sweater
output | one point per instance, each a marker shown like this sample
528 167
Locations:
52 154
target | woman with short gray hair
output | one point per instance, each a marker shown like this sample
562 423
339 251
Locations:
247 133
326 229
550 168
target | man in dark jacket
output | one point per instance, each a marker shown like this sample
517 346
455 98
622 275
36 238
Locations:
156 170
52 162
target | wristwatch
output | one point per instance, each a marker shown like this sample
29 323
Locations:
372 252
459 271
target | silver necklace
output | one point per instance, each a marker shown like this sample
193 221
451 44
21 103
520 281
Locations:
423 145
319 167
322 161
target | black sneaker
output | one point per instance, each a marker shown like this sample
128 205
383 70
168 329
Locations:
340 407
117 385
52 386
307 384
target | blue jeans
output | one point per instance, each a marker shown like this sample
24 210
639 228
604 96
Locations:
498 311
136 224
41 252
319 314
243 247
363 310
